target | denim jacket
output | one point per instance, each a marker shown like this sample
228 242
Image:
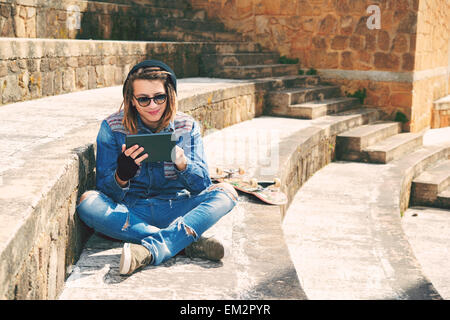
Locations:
159 179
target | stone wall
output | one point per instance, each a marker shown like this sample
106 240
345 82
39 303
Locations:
432 65
49 239
333 36
79 19
34 68
326 34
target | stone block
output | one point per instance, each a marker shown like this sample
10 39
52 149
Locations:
356 42
408 62
347 60
401 100
387 61
58 81
305 8
328 25
365 57
83 61
3 69
346 25
72 62
33 65
370 43
383 40
13 66
319 42
7 28
109 74
11 89
339 43
55 63
92 78
400 44
47 83
31 12
81 78
19 27
5 10
68 80
408 24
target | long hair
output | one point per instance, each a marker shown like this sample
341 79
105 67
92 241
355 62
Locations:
130 112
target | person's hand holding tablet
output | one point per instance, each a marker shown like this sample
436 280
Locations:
130 159
128 163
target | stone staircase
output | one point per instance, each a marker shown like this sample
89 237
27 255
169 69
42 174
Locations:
153 20
309 101
245 65
379 142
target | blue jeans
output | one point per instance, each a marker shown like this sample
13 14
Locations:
159 225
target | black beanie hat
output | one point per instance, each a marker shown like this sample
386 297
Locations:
153 63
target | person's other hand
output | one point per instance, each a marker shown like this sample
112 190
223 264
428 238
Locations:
180 159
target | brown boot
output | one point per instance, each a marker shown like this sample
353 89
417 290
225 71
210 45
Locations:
205 248
134 256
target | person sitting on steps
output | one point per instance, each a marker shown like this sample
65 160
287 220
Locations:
157 208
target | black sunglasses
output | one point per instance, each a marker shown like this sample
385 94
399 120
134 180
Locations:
145 101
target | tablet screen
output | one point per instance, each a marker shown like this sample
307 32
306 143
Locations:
158 146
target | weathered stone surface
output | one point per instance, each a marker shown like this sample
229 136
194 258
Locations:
386 61
411 37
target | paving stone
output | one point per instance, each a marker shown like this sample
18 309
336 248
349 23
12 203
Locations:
428 232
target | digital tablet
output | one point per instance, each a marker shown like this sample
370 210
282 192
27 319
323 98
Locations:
158 146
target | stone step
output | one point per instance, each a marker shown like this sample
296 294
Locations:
236 47
179 4
393 147
426 187
239 59
443 103
294 81
174 13
350 144
197 15
255 71
192 36
212 63
443 199
180 24
281 100
318 108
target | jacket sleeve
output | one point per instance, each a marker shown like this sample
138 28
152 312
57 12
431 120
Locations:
195 177
108 149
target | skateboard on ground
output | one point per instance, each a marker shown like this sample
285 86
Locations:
267 191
